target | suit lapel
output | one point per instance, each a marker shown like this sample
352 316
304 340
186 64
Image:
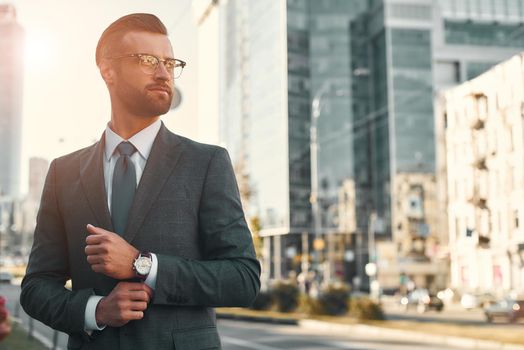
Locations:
92 178
164 155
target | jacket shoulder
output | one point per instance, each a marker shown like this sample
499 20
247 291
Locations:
76 155
199 147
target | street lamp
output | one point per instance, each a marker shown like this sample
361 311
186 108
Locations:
313 145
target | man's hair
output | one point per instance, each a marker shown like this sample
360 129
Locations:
136 22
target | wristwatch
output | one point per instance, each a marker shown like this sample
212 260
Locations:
142 265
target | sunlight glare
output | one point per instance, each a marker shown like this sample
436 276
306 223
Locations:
38 51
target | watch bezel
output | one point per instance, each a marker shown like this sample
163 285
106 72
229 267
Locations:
139 268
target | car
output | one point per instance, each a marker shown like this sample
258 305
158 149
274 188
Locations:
422 300
468 301
507 308
6 277
471 301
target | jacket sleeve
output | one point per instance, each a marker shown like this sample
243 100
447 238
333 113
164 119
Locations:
43 295
229 275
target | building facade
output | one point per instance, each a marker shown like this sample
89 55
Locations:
484 135
403 53
368 70
279 57
11 78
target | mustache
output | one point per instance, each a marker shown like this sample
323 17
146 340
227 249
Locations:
163 87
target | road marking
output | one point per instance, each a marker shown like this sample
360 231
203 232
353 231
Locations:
248 344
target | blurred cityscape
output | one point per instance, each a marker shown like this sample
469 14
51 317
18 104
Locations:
377 143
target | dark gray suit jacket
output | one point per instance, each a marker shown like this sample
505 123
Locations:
186 209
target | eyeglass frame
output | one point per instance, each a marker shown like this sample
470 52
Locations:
160 60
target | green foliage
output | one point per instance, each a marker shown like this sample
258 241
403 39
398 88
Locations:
255 226
262 302
365 308
285 296
334 300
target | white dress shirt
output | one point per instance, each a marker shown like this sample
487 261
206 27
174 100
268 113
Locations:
143 142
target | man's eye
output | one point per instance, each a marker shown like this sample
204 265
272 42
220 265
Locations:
149 60
170 64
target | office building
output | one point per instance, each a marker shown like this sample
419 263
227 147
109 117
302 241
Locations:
11 78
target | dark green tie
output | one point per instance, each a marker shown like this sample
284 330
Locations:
124 186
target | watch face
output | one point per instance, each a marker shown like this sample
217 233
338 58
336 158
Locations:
143 265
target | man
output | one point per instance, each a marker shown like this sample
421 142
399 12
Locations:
148 225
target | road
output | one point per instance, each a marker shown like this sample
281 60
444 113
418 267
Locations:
237 335
241 335
454 314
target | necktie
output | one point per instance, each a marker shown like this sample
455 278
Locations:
124 186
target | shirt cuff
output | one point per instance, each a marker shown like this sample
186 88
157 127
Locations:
151 277
90 315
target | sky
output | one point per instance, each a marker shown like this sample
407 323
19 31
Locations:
66 104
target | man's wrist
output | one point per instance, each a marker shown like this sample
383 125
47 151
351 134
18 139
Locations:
91 319
100 323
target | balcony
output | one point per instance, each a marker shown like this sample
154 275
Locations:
478 201
480 164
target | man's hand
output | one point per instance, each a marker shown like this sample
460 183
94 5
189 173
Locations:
126 302
110 254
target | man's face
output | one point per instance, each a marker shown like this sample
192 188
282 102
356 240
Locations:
137 92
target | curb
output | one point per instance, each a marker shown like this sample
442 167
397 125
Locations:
263 319
461 342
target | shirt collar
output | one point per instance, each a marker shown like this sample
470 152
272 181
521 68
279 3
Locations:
142 140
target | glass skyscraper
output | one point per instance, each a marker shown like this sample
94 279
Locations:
278 56
11 77
373 67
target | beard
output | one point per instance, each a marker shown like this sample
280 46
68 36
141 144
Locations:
145 103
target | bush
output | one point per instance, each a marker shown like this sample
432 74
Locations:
364 308
309 305
334 300
285 296
262 302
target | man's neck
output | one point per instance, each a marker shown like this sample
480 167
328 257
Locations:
127 127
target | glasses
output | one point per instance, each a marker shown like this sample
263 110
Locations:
149 63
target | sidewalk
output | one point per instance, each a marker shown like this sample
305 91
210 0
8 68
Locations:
19 339
467 337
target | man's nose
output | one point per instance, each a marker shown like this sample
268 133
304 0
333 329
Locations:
162 73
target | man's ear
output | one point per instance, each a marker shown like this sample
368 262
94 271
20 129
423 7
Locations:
106 71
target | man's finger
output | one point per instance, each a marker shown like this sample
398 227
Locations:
98 268
148 290
95 239
94 249
134 315
138 306
139 296
134 286
94 230
95 259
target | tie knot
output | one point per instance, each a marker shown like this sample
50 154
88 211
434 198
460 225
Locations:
126 148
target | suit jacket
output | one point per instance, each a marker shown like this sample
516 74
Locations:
186 210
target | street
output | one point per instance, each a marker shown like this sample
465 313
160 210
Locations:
256 336
454 314
241 335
